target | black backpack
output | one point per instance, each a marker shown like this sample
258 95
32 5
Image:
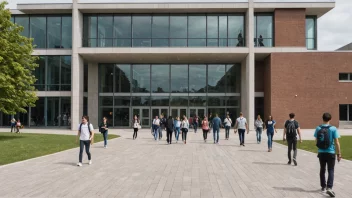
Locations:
323 137
291 129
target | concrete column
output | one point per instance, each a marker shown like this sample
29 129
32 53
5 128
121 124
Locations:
77 68
93 95
250 68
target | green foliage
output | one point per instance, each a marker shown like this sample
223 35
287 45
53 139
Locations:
16 66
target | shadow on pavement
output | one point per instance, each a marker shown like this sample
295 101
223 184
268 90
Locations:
296 189
270 163
259 151
67 163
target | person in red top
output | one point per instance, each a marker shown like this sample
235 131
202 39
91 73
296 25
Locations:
205 127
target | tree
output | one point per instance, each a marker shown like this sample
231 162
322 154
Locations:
16 66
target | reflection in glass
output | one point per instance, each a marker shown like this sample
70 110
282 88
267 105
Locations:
122 101
197 78
217 101
160 101
235 30
65 73
197 27
121 116
106 100
106 77
122 78
141 26
53 114
122 26
212 26
141 101
24 22
311 33
223 27
38 31
179 78
263 30
178 26
141 78
53 73
216 78
108 113
160 26
105 30
199 101
39 74
66 41
37 113
179 101
54 32
233 101
233 78
66 110
160 78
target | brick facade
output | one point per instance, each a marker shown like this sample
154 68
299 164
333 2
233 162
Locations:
259 76
290 25
314 78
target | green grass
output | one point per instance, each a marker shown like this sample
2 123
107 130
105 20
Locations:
19 147
309 145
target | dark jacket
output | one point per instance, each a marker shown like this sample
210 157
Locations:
170 124
101 130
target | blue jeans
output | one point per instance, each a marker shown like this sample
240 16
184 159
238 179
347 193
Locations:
216 133
241 133
156 132
270 139
105 136
86 144
227 132
177 133
259 131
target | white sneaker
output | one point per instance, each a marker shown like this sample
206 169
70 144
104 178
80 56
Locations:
105 147
79 164
90 162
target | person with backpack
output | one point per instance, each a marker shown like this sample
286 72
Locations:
103 129
195 123
228 123
205 128
258 125
241 125
185 128
169 129
327 141
290 131
85 135
270 128
136 123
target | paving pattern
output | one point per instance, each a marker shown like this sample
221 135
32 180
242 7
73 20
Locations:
145 168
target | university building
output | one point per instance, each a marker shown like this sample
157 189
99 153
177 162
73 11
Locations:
123 58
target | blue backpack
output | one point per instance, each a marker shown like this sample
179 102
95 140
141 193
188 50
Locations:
323 137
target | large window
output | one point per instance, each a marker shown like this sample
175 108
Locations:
47 31
263 30
53 73
311 32
345 111
163 30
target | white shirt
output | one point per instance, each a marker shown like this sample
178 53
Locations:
85 134
156 122
228 122
185 124
241 123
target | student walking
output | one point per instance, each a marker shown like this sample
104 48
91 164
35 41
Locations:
177 125
103 128
156 127
290 131
85 135
216 128
258 125
13 125
241 125
327 139
185 128
195 123
270 128
205 128
136 125
169 129
228 124
162 126
18 126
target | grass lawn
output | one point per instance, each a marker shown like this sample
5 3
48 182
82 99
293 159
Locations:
18 147
309 145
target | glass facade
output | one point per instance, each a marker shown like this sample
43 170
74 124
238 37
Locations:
263 30
164 30
53 73
47 31
162 88
311 32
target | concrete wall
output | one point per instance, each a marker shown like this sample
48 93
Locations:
93 93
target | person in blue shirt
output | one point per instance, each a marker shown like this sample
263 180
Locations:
216 128
270 128
327 157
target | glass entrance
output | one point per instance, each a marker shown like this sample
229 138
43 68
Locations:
200 112
157 111
143 115
180 112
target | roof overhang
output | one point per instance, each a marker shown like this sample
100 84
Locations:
48 8
164 55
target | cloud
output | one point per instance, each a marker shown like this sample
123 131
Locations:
334 28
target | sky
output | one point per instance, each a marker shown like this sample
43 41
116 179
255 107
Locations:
334 28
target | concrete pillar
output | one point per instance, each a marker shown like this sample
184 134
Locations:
77 68
93 95
250 68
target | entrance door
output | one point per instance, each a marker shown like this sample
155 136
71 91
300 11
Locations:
199 111
157 111
143 115
178 112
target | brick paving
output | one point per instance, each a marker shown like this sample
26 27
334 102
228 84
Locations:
145 168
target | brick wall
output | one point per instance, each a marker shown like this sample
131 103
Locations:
290 25
314 78
259 76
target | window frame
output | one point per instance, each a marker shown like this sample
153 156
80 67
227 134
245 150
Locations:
315 31
256 14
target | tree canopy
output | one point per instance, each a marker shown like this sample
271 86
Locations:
16 66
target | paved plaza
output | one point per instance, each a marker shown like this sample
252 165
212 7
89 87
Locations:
145 168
